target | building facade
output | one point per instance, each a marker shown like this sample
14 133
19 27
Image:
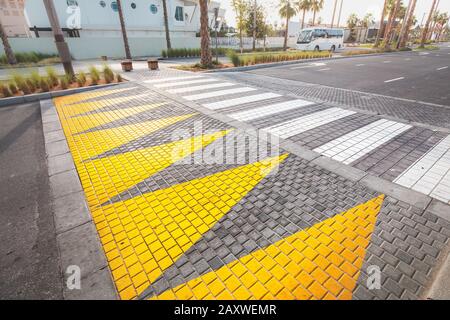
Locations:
12 16
99 18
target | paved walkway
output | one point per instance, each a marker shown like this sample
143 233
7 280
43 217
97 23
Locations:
176 221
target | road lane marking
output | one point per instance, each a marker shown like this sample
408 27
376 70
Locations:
237 101
202 87
184 83
218 93
387 61
443 68
408 59
171 79
325 69
296 126
396 79
272 109
358 143
315 64
360 65
431 173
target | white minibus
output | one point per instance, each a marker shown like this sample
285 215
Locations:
318 39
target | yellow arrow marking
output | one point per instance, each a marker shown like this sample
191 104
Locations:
83 123
91 144
145 235
322 262
108 177
74 98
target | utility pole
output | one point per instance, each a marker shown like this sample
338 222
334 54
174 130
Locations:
61 45
124 30
255 8
340 13
334 13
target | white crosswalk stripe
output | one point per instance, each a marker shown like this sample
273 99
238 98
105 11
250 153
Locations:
159 80
219 93
184 83
431 173
272 109
358 143
203 87
238 101
296 126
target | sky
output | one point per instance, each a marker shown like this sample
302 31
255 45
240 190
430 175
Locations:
360 7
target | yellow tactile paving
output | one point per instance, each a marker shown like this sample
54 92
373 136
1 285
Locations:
86 122
73 110
322 262
145 235
109 176
88 95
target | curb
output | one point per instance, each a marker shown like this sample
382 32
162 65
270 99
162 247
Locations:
76 235
4 102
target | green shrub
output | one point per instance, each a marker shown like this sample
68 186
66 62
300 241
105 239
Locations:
119 78
64 84
108 74
24 87
268 57
35 78
81 78
44 84
31 57
5 91
13 88
52 76
95 75
233 56
30 85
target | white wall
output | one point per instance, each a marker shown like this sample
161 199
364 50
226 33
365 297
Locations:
93 48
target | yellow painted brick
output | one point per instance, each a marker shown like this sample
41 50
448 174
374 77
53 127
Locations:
301 293
317 290
128 293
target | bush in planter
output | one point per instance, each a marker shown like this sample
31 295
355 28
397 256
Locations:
63 83
5 91
81 79
52 76
119 78
95 75
44 85
35 78
108 74
30 85
13 88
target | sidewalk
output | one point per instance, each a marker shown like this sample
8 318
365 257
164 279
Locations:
285 225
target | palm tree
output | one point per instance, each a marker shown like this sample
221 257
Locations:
124 30
166 25
334 13
390 27
205 56
8 51
427 25
287 11
408 23
240 8
303 6
316 6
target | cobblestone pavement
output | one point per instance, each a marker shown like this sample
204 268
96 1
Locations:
255 227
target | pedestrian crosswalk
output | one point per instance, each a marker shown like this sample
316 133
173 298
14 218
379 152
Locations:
302 124
297 119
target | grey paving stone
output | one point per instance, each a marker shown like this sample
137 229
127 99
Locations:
70 211
65 183
60 163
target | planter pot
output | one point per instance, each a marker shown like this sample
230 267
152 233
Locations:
104 58
153 64
127 65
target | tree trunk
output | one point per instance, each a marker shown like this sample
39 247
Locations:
405 35
61 45
124 30
286 31
166 25
427 25
303 19
334 13
241 45
254 25
314 18
206 58
390 29
8 51
383 14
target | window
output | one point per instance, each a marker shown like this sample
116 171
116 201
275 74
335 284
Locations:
133 5
102 4
153 9
179 15
114 6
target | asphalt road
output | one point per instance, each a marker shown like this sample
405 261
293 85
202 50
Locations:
423 76
28 252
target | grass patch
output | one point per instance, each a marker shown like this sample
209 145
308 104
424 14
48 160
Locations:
249 59
27 59
427 48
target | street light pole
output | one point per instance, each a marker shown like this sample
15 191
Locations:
61 45
216 22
